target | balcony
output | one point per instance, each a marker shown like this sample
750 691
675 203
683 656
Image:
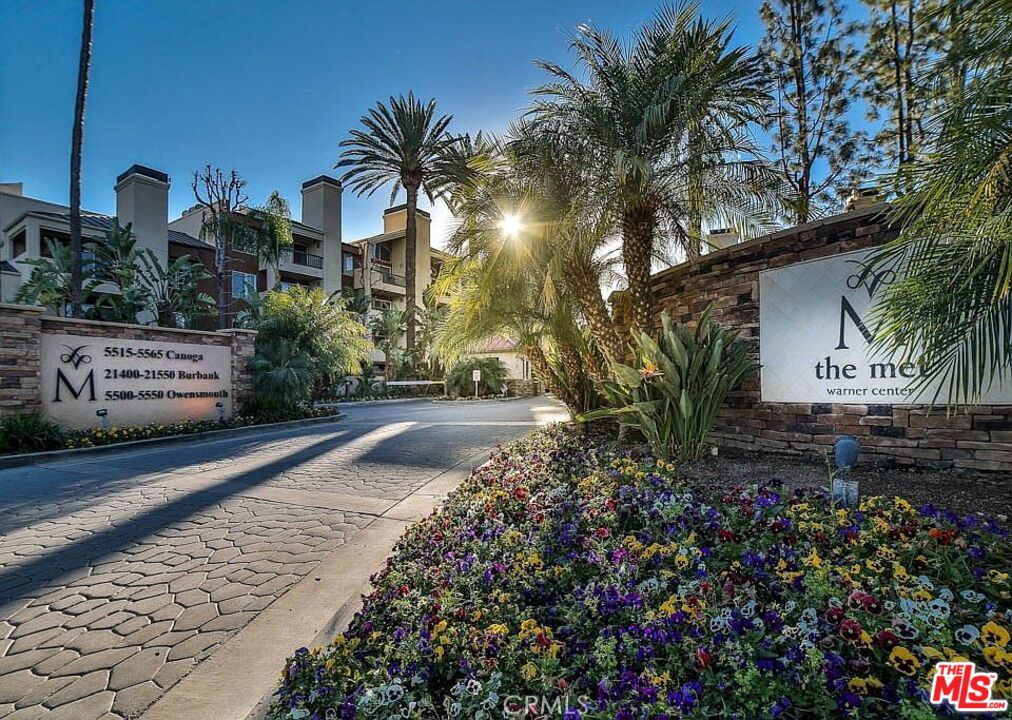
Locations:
307 259
301 265
382 275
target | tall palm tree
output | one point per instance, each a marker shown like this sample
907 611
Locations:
402 144
77 140
638 108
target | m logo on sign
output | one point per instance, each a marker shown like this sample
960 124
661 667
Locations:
960 685
75 358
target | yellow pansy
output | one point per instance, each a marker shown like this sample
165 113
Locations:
994 634
858 685
904 661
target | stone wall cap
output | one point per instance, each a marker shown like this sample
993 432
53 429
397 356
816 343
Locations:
22 308
743 248
236 331
131 326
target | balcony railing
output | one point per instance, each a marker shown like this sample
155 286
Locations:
384 275
301 257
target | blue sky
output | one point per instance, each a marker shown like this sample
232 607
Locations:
268 87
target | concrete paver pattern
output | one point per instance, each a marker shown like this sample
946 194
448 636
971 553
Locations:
120 573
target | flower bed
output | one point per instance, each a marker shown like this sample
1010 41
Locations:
32 432
566 582
95 437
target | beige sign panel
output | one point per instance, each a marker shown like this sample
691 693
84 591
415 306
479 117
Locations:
133 382
815 326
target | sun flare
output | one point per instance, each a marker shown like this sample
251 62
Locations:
511 225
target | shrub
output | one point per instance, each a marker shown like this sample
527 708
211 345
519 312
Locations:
459 380
29 432
306 342
680 383
573 573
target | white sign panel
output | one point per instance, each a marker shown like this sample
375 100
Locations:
815 330
134 382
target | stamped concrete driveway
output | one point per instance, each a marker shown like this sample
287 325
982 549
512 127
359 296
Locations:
122 574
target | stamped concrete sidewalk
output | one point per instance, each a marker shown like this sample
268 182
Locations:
173 582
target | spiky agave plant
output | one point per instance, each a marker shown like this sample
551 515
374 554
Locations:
680 383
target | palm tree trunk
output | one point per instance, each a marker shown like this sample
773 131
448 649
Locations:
539 364
221 262
410 262
694 246
77 140
587 288
638 226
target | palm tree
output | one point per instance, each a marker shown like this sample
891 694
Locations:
49 284
77 140
402 144
640 109
274 236
387 329
562 233
950 309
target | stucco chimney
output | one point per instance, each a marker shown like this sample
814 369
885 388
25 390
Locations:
321 204
142 200
862 197
321 209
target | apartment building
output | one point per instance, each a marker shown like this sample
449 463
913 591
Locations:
383 264
318 258
382 278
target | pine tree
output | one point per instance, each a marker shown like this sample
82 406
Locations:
902 37
808 53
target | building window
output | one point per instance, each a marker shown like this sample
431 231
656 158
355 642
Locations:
19 244
243 284
381 252
61 238
380 304
349 264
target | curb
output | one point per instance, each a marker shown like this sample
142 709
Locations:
39 458
373 402
342 615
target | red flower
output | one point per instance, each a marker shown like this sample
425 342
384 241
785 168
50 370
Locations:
850 630
871 604
405 590
944 537
603 532
886 639
834 615
726 535
610 503
520 494
704 658
855 600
